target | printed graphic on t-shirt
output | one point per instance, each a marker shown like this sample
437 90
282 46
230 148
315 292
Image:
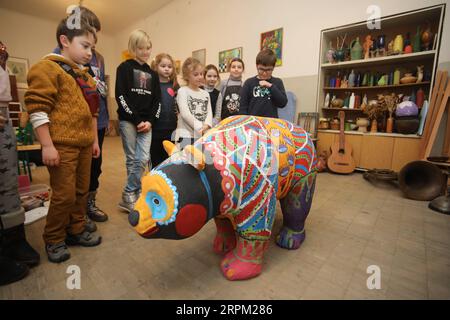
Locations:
171 92
232 102
142 79
261 92
96 71
198 108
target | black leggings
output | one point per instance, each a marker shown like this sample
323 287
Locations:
96 165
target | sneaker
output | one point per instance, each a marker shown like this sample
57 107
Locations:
90 225
128 201
57 252
94 212
84 239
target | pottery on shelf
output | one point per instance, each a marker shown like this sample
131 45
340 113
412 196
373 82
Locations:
427 39
356 51
335 124
419 73
368 43
406 108
398 44
407 125
408 78
396 77
362 124
389 125
337 103
324 123
339 55
331 54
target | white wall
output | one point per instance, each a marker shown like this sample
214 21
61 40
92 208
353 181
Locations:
30 37
186 25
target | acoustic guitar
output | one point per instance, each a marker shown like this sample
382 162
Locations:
341 159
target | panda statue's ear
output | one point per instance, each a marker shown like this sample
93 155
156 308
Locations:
169 147
195 157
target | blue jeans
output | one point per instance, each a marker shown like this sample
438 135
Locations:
136 146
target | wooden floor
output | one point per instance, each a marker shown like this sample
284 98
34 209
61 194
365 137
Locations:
352 225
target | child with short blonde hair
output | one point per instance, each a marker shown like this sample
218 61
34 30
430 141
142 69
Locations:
195 116
138 98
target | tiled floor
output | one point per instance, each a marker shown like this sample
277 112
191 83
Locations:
352 225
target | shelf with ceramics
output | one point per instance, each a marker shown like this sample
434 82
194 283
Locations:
402 85
416 56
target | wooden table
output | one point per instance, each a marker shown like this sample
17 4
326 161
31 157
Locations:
23 150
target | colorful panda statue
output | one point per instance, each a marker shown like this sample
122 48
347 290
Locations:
234 174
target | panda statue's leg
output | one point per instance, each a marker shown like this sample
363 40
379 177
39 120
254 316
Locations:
245 261
225 239
295 207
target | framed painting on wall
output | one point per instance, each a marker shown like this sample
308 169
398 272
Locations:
19 68
225 57
273 40
178 66
200 55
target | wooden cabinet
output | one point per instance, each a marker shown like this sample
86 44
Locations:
375 150
405 150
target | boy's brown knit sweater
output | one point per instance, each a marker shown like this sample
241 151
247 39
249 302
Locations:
54 91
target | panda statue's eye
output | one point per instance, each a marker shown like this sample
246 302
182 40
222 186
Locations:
156 201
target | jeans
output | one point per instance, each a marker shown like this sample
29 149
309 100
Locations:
136 146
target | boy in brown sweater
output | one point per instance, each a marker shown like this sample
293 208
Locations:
63 105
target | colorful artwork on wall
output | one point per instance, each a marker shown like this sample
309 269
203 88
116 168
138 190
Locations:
200 55
226 55
18 67
273 40
178 66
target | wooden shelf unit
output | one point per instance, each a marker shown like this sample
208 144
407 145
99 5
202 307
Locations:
392 149
402 85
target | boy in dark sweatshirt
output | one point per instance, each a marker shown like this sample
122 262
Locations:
263 94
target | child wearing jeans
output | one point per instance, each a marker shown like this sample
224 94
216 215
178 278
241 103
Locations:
138 98
195 116
63 105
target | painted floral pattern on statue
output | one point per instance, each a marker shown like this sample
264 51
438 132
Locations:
235 174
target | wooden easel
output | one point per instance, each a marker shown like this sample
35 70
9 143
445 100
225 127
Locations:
439 102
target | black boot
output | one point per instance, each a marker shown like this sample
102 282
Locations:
94 212
11 271
14 245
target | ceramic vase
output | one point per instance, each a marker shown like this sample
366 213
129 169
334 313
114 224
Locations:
389 124
374 126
